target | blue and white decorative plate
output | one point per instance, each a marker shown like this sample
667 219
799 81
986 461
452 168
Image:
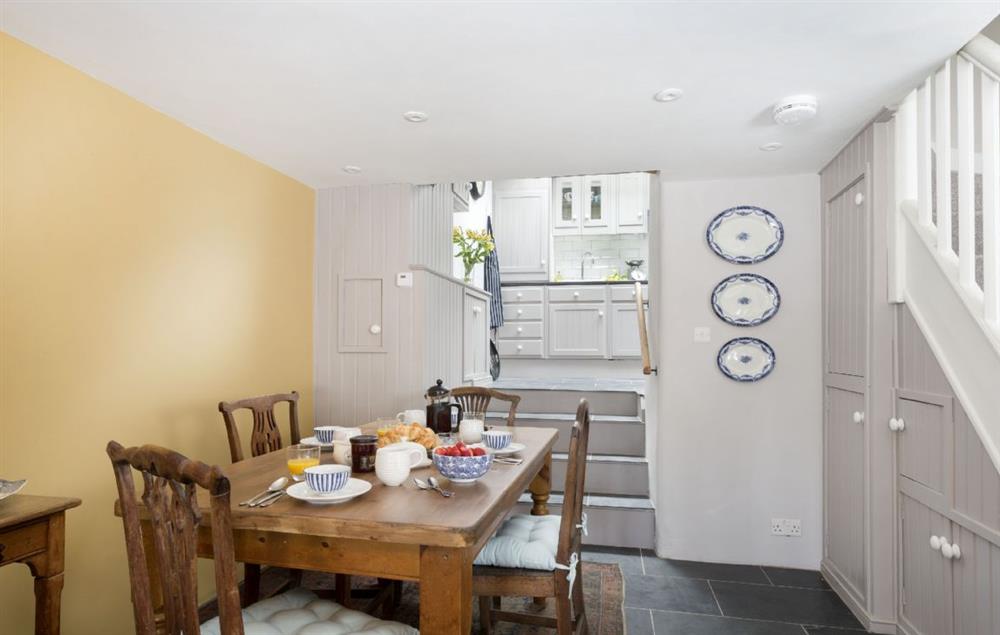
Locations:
746 299
746 359
745 234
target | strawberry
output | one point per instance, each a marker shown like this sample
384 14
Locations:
466 451
478 452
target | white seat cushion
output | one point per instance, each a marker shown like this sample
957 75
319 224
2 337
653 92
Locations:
300 612
523 542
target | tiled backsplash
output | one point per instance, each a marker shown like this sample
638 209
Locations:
609 254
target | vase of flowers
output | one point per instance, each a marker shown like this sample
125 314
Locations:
473 246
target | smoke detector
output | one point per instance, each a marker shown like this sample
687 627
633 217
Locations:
794 110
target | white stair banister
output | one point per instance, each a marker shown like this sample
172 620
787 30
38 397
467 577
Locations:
942 152
924 152
965 113
990 126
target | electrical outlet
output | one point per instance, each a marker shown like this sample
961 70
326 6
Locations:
791 527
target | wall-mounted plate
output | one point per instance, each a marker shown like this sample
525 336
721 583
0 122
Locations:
746 299
746 359
745 234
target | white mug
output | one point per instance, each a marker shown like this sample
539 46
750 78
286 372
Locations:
345 434
411 416
342 452
471 430
393 463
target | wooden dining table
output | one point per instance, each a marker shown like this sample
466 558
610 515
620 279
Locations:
400 533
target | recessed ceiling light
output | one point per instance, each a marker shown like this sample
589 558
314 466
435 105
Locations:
771 147
795 109
415 116
351 169
669 94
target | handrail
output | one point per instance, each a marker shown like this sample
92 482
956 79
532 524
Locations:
984 53
647 367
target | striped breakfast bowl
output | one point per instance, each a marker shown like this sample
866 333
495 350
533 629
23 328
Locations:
327 479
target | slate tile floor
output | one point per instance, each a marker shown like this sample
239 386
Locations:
675 597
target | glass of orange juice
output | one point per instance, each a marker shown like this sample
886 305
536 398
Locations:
300 457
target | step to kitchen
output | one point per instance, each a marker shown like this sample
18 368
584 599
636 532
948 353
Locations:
607 475
609 434
616 397
612 521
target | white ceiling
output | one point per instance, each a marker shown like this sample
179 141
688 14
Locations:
512 89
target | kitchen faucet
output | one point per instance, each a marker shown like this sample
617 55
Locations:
583 261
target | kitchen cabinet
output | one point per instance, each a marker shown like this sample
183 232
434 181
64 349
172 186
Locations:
523 332
926 606
633 203
521 227
475 345
566 205
577 329
600 204
625 330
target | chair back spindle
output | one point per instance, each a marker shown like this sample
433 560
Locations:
265 436
170 483
478 398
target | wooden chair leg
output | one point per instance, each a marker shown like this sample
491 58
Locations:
486 604
579 610
251 584
342 593
397 593
564 615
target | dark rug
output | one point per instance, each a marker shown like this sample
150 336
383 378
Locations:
603 593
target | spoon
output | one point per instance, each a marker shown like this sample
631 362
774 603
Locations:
422 485
276 486
434 483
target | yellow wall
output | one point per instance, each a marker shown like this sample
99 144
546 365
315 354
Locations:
146 272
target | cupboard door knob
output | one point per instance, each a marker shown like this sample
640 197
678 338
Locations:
859 417
956 553
477 310
947 550
543 261
897 425
520 348
520 295
374 329
935 543
520 330
600 314
576 294
520 312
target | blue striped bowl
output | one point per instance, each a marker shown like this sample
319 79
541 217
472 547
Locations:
497 439
327 479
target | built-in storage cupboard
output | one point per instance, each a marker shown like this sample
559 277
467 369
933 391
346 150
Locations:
911 536
570 321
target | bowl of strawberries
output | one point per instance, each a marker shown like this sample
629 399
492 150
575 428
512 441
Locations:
462 463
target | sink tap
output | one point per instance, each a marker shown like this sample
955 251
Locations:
583 261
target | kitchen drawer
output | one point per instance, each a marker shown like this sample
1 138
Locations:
23 541
521 331
522 312
626 293
520 348
521 294
577 294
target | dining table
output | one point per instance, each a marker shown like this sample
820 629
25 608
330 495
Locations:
398 533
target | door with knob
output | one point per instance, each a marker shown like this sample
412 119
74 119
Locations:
577 330
844 449
521 228
922 429
926 603
475 349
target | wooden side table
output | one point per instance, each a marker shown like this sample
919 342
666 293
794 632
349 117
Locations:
32 532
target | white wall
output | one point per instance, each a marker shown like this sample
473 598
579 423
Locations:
475 218
731 456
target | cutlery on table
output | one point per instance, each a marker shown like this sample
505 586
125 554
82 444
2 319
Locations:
423 485
276 486
507 461
272 500
433 482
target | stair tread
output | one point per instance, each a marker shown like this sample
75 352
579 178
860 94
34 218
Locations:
638 503
572 384
560 416
604 458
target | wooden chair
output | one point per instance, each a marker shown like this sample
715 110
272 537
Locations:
265 436
169 495
492 583
477 399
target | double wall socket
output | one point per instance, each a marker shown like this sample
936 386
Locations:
786 527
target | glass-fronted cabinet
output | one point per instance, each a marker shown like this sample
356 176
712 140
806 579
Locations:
566 204
598 199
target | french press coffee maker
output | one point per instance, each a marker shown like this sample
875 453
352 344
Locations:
439 407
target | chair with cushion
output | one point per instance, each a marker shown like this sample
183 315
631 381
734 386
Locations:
539 556
170 484
478 398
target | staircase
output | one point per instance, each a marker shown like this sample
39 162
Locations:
617 503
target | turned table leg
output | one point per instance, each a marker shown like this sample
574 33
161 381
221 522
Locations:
47 569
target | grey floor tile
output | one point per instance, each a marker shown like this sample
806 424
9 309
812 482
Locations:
669 594
796 577
668 623
703 570
628 559
826 630
783 604
638 622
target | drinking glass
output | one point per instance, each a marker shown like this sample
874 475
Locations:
471 429
299 457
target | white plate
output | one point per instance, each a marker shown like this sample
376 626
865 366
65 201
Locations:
513 448
9 488
745 234
315 441
355 487
746 299
746 359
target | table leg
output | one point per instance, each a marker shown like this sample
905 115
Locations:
47 569
540 488
445 591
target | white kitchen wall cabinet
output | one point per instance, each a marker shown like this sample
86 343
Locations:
566 205
475 332
599 204
521 228
577 329
633 203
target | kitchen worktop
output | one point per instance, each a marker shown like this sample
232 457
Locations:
568 283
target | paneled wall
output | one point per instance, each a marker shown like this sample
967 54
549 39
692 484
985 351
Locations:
430 238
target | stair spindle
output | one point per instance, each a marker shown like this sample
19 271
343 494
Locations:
965 146
990 96
942 151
